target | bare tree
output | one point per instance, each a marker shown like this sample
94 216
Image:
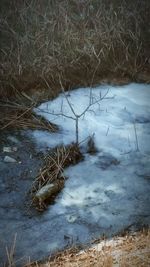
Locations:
75 116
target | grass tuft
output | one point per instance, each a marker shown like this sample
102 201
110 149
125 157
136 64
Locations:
52 172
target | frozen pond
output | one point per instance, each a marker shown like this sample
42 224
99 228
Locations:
105 193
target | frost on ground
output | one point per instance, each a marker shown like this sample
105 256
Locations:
108 190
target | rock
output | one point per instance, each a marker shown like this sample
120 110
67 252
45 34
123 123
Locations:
47 191
9 149
9 159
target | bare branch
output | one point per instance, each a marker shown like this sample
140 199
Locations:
62 88
55 114
95 102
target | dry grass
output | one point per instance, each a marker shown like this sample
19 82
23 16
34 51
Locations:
82 41
52 172
10 253
17 116
129 251
132 250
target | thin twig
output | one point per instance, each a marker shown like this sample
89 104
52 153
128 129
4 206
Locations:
136 137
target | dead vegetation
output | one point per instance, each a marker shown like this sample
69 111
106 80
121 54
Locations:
18 116
130 251
84 42
52 172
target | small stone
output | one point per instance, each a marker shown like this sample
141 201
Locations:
47 191
9 149
9 159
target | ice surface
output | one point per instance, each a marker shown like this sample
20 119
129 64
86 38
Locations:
110 188
106 192
113 121
106 188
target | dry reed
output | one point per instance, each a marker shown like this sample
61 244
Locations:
82 41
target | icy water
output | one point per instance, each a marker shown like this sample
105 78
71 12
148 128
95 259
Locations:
104 194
